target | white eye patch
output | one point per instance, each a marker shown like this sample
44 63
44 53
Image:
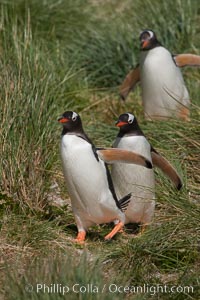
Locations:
130 118
74 116
150 34
146 35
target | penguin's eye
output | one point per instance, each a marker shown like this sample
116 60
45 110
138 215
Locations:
74 116
146 35
130 118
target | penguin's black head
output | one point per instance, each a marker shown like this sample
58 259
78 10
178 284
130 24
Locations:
71 122
127 123
148 40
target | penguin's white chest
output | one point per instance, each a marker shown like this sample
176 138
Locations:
87 182
136 179
163 87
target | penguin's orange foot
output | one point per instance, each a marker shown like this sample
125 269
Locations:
142 230
80 237
184 114
116 229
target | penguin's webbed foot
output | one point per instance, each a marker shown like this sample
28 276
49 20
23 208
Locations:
80 237
116 229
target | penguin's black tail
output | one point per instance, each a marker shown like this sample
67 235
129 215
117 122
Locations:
123 202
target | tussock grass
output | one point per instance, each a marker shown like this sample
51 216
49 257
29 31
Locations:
59 55
77 278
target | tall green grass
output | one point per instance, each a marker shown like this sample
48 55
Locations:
35 81
74 278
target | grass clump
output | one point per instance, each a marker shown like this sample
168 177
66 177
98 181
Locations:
60 276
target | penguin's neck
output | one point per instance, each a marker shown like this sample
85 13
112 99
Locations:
154 45
75 131
134 131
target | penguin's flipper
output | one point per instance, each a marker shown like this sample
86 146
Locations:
129 82
183 60
160 162
112 155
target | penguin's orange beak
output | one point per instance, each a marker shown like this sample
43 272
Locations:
120 123
144 44
63 120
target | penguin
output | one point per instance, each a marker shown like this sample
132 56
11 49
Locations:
88 178
164 94
139 181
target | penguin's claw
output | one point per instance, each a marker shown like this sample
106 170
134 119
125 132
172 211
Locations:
142 230
184 114
80 237
116 229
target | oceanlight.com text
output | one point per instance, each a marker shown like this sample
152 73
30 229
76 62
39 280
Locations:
76 288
